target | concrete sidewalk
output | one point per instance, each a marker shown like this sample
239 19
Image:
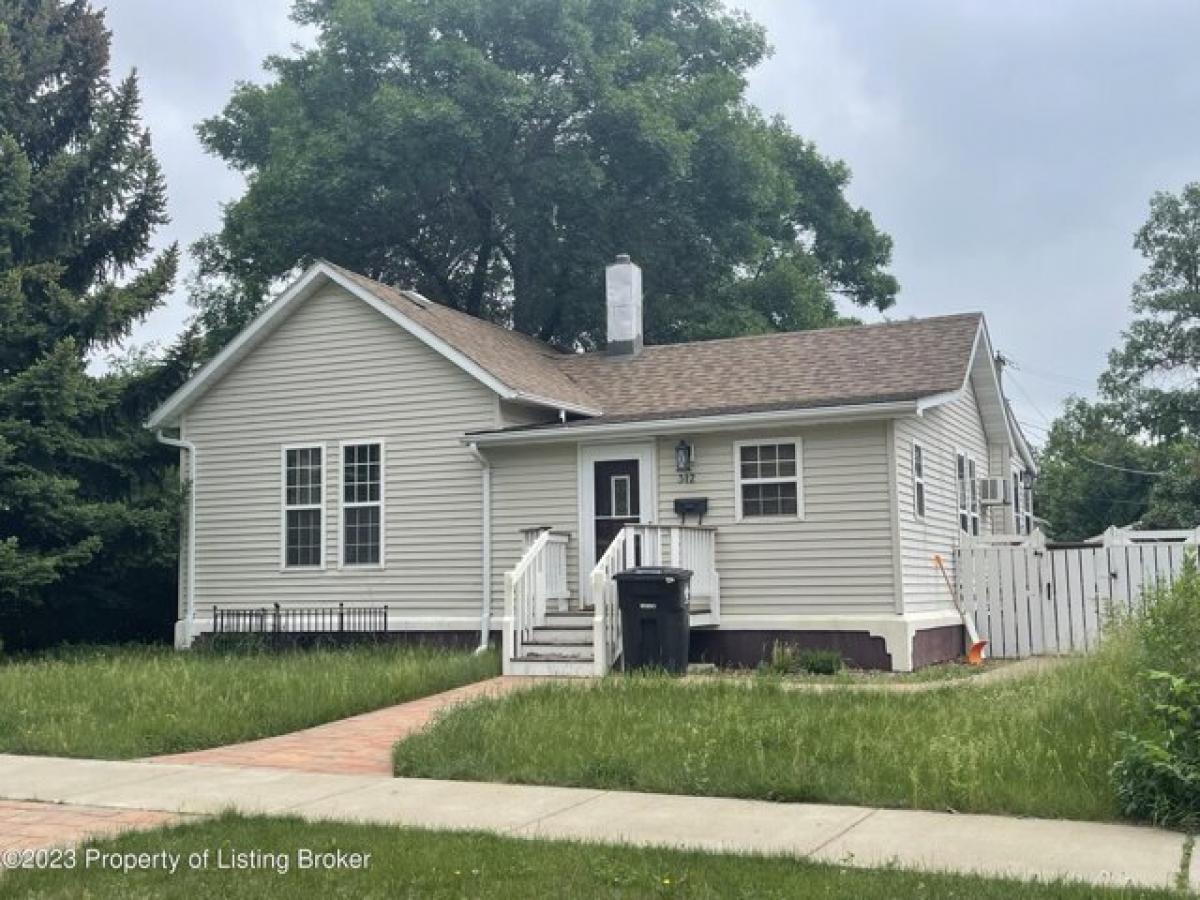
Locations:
991 845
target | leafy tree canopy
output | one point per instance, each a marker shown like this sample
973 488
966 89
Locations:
1150 409
496 155
84 519
1154 373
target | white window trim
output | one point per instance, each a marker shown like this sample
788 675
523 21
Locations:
918 515
362 567
612 497
798 478
972 510
284 507
1018 509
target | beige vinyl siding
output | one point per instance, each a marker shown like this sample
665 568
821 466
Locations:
837 560
942 432
337 370
532 486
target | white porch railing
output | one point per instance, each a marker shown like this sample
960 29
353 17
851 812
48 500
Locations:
606 617
682 546
692 547
540 576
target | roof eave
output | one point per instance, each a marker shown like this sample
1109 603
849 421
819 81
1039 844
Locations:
684 424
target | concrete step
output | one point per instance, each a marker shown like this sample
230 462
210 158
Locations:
570 619
566 634
554 668
557 651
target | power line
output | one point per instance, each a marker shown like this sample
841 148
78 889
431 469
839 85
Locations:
1050 376
1096 462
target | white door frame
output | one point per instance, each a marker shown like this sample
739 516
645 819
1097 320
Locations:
646 454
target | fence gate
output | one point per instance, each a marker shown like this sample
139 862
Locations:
1030 598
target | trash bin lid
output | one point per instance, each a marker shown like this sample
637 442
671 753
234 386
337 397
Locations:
654 573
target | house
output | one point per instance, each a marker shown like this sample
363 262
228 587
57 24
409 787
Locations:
361 451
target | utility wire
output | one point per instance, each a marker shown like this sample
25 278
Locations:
1096 462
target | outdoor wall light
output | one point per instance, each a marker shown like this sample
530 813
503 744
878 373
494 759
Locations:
683 457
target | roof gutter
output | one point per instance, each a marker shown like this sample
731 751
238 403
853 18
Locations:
485 611
682 425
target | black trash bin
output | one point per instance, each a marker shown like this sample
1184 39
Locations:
655 624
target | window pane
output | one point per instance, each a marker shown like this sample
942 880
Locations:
770 499
620 496
787 468
918 462
787 499
361 535
750 454
751 500
787 451
749 470
303 546
303 477
920 499
361 473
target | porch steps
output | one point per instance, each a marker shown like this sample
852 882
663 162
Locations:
561 647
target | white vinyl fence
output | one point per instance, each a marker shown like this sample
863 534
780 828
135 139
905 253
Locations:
1030 598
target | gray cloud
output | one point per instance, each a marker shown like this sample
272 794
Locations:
1010 149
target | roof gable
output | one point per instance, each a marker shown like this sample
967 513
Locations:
515 366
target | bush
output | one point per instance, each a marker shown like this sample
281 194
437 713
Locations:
821 662
1158 774
788 660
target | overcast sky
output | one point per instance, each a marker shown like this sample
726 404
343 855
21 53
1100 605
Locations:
1010 149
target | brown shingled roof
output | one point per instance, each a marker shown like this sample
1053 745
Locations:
827 367
853 365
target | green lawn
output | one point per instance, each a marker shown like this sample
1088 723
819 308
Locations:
1042 745
939 674
409 863
121 703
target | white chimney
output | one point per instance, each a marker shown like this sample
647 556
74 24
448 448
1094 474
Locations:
623 293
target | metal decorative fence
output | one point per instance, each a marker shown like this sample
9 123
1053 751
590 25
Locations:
301 620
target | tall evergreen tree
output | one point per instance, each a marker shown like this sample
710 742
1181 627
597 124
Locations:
496 154
86 526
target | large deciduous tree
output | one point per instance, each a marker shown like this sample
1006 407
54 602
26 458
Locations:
86 526
1154 373
496 155
1135 456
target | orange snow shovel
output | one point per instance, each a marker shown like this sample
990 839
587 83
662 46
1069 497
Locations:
974 642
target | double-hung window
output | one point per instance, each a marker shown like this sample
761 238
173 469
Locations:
362 504
768 479
303 507
968 493
1018 515
918 478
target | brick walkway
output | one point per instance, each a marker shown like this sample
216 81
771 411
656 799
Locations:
30 826
360 745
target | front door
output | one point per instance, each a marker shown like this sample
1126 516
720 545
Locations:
618 499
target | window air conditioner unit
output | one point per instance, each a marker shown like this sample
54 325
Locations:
995 492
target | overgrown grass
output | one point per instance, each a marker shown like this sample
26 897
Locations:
425 864
119 703
1042 745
